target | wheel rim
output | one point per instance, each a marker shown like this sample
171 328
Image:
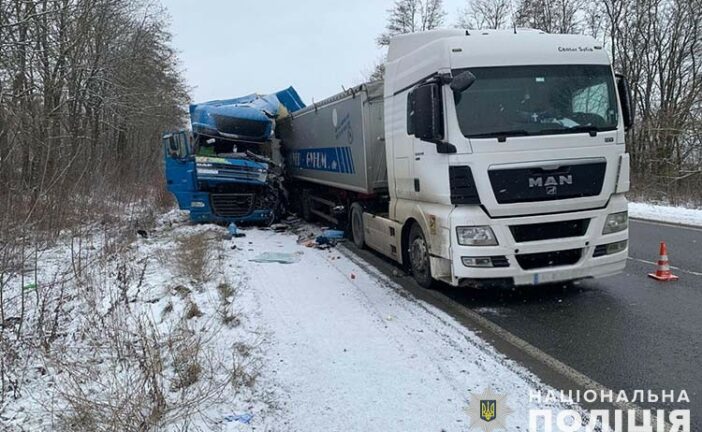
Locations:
419 255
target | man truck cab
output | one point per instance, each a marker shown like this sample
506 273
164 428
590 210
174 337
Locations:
523 171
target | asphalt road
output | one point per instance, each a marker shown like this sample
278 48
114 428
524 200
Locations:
626 332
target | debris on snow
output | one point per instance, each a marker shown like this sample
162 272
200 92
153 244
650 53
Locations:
234 232
333 234
241 418
279 227
277 257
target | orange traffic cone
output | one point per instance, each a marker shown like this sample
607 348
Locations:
663 269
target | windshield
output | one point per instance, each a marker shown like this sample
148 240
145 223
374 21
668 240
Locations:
537 100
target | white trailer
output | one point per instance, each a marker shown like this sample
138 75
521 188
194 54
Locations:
502 158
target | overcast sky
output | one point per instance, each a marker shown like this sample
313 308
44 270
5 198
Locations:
230 48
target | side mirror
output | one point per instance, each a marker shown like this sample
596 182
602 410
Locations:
462 81
625 98
427 112
170 145
177 144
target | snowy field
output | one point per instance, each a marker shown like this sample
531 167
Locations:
318 344
661 213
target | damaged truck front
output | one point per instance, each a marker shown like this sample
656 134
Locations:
229 168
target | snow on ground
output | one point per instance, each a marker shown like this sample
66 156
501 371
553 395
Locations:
351 352
662 213
119 336
320 344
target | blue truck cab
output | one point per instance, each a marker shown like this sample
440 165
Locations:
233 187
230 167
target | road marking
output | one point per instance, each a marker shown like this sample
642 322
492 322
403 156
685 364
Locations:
668 224
479 321
694 273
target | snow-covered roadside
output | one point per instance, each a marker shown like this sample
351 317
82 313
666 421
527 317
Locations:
662 213
351 352
137 336
316 345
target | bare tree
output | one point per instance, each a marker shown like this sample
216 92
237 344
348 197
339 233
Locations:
86 88
658 44
409 16
486 14
552 16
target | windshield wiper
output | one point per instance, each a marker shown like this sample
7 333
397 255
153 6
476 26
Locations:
592 130
501 135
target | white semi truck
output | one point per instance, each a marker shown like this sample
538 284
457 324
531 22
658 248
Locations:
485 157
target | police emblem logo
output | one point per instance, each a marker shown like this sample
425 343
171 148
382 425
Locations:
488 410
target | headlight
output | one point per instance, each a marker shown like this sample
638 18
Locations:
476 236
616 222
197 204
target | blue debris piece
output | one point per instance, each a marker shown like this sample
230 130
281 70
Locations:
333 234
234 231
241 418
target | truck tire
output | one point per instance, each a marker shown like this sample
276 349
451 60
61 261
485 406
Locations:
357 232
418 253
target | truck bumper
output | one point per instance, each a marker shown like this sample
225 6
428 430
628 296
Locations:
532 262
254 217
201 210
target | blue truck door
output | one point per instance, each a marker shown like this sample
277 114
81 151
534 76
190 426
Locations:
180 167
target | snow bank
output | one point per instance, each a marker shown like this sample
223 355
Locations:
661 213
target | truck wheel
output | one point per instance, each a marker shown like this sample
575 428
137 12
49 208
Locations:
419 257
357 225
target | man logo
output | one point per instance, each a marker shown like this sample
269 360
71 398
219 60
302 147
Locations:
488 410
559 180
483 410
551 190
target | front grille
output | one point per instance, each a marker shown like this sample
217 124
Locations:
244 128
549 259
499 261
518 185
238 172
550 230
232 205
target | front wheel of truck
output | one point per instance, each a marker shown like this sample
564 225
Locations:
419 257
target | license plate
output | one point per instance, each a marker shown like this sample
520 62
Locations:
538 278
